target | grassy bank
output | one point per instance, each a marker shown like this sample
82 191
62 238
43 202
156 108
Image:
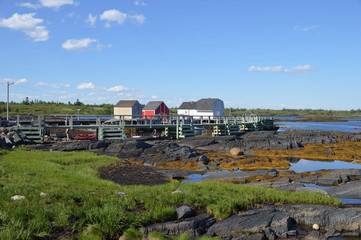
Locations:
65 197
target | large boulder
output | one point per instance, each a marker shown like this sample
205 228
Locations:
342 219
195 226
266 220
184 211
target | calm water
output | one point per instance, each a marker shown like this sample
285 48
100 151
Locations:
349 126
304 165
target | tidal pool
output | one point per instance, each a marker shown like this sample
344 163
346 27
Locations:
304 165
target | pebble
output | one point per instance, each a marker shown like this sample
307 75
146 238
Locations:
316 227
17 197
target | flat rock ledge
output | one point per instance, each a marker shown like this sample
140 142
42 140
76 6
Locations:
152 151
271 222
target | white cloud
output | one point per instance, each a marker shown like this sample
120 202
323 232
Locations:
137 18
113 15
59 86
154 97
265 68
305 28
91 20
103 46
85 86
28 24
78 44
300 69
280 69
118 17
21 81
56 4
54 85
118 88
41 84
139 3
30 5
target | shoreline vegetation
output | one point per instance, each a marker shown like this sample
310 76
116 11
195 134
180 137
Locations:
41 107
65 197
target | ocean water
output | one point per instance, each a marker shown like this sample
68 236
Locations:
348 126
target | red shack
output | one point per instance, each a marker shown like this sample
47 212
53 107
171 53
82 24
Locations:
155 108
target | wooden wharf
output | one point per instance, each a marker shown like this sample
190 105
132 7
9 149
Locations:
113 127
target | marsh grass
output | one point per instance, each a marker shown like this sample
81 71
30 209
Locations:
76 200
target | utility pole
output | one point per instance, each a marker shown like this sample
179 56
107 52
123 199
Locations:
7 96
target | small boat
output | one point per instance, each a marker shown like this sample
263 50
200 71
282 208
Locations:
89 136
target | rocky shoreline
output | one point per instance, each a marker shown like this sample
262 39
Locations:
142 161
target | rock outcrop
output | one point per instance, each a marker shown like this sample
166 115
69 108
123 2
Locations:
270 222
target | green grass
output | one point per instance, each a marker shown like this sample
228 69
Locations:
80 204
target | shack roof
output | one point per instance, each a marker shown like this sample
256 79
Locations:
202 104
126 103
188 105
206 103
152 105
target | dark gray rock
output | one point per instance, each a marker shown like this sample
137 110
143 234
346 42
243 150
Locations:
184 211
272 173
195 226
252 222
98 145
114 147
71 146
314 236
346 219
349 190
197 142
203 159
334 177
164 151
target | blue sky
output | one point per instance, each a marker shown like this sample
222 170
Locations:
249 53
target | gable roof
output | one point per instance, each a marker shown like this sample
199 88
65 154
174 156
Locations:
126 103
206 103
202 104
188 105
152 105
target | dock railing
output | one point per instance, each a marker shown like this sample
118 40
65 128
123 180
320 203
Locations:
180 125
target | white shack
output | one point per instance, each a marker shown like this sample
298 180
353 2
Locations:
206 107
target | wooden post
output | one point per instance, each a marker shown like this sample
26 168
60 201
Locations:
71 122
177 128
